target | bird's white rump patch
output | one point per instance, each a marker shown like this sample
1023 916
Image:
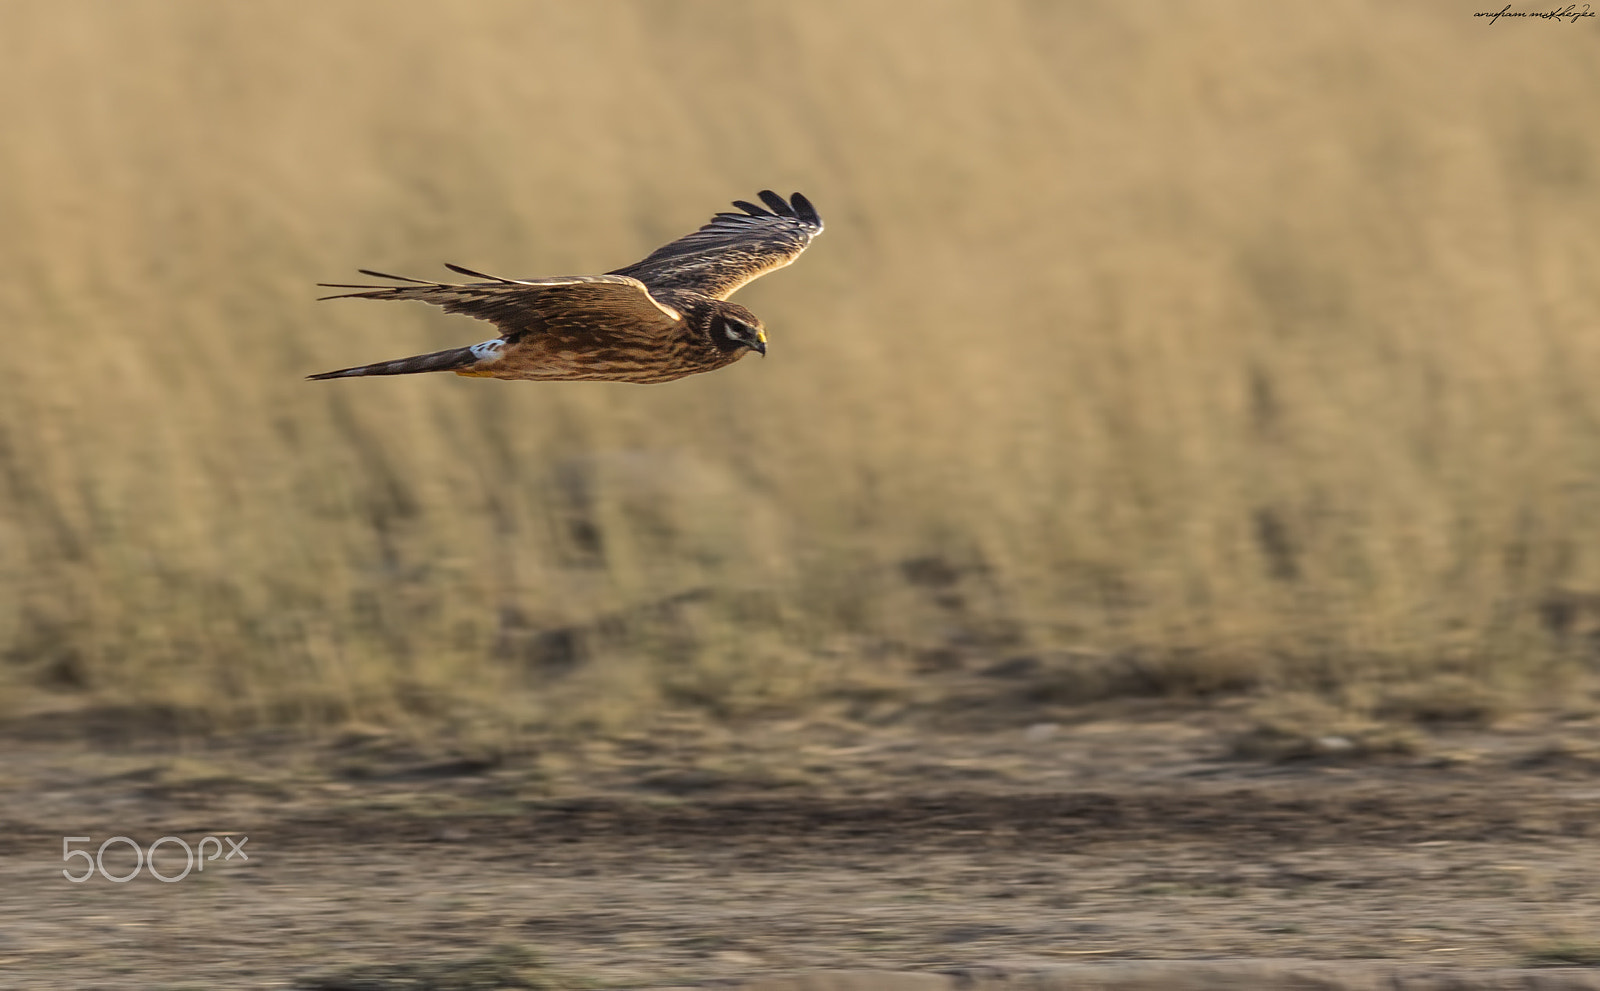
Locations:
488 350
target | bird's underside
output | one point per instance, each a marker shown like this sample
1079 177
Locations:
654 321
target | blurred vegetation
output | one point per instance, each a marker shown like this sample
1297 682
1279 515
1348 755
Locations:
1235 345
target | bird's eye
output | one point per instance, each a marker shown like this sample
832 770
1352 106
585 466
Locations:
734 330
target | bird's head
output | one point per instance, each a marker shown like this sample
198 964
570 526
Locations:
735 327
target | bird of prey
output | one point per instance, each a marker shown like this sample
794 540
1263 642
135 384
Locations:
654 321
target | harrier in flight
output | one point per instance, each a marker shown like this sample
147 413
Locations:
653 321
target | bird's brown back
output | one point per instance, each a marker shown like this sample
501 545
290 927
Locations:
565 346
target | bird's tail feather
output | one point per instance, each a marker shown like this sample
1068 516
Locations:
438 361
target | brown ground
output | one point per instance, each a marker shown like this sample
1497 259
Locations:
695 854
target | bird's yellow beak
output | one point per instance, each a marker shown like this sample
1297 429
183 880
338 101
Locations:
761 341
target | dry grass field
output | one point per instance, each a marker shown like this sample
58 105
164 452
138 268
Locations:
1235 357
1251 346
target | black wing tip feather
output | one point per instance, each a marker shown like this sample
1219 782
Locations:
777 204
476 275
376 292
386 275
369 291
805 211
796 207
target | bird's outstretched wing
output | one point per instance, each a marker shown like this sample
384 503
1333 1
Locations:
733 249
598 305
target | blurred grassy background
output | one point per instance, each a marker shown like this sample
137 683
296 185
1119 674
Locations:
1242 345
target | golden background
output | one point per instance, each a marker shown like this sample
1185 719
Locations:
1243 346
